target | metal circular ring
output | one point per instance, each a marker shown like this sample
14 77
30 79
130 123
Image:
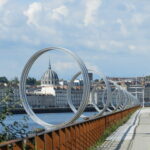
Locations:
118 90
100 112
22 88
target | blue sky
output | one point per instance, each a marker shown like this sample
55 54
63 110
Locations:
111 35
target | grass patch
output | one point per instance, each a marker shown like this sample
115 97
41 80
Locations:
109 131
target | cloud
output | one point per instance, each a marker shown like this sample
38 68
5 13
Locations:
91 10
59 13
64 66
33 13
137 19
92 66
41 14
40 21
132 47
3 2
105 29
123 28
130 7
138 49
116 43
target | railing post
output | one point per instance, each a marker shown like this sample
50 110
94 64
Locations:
18 145
73 137
48 141
39 142
88 133
68 142
55 137
77 137
80 137
30 143
85 135
62 139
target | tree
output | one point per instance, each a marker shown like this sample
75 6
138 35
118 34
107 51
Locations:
31 81
14 82
147 78
18 129
38 82
3 80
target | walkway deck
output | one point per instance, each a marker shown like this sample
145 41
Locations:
134 135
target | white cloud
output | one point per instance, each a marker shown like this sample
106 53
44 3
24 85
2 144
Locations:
40 14
123 28
82 25
116 43
3 2
132 47
137 19
130 7
65 66
91 9
138 49
92 66
103 46
58 13
33 12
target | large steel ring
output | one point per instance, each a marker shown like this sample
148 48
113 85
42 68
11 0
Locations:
118 96
22 88
127 100
100 112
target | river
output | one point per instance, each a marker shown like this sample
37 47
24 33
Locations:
52 118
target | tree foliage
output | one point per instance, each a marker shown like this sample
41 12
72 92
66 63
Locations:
31 81
147 78
14 81
3 80
14 130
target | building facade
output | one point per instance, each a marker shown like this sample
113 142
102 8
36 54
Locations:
53 93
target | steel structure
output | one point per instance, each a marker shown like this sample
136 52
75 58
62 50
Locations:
107 90
123 99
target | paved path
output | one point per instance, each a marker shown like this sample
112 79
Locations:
134 135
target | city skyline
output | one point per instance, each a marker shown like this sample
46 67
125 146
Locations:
110 35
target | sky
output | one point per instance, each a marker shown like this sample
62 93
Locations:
109 35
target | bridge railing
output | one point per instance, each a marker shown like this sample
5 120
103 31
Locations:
78 136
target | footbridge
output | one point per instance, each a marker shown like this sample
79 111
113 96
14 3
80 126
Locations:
73 134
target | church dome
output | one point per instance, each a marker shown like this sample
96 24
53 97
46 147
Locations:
50 77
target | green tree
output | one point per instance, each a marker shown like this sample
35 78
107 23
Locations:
31 81
3 80
14 82
147 78
16 129
38 82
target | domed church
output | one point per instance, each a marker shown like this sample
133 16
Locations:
48 81
50 77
